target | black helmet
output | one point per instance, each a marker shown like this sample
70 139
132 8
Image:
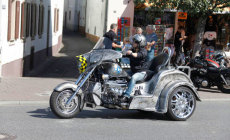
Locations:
140 39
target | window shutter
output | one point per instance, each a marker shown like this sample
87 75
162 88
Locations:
17 19
22 20
35 27
25 20
42 29
39 21
57 19
32 20
9 20
54 19
28 20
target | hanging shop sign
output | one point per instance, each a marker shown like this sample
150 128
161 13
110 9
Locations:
182 15
123 28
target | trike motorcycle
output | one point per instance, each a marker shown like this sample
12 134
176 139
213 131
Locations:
104 77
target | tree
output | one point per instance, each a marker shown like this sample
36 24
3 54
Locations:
199 8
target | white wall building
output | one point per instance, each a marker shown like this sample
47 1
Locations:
100 14
31 30
94 17
74 13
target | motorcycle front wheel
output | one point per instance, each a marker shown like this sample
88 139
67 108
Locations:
181 104
58 105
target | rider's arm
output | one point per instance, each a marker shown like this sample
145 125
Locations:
115 45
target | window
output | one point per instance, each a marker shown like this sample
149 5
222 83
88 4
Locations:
13 20
33 20
56 19
41 20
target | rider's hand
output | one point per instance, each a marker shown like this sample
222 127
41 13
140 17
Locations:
128 52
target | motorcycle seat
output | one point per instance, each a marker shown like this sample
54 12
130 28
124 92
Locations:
156 65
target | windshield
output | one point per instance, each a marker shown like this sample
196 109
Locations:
100 44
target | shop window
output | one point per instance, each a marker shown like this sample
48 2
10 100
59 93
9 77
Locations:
41 20
13 20
56 19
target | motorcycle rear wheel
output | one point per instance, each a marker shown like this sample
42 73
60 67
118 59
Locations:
181 104
224 88
58 105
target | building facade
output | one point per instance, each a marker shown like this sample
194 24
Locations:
94 17
31 31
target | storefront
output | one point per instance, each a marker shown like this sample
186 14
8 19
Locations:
170 20
163 23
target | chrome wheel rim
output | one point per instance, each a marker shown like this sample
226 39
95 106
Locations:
182 103
63 98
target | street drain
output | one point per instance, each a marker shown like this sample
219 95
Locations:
6 137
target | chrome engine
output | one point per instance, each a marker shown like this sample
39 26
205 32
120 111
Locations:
116 87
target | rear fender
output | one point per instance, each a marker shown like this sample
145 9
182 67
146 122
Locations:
162 103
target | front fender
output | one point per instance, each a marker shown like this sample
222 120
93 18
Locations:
73 86
162 103
66 85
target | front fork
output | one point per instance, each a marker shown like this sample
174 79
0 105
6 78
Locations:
82 82
224 80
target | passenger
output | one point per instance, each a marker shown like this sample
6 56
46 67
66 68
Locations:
111 38
137 56
151 38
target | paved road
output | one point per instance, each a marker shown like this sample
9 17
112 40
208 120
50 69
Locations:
209 122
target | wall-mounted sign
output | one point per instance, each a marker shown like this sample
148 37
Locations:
123 28
182 15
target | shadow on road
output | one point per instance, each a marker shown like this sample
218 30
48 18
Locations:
103 114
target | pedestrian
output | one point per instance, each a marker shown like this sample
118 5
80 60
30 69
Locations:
151 39
111 38
127 46
178 43
138 31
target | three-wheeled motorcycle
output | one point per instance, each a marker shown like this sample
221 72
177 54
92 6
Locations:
104 77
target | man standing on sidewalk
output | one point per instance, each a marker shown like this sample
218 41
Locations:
111 37
178 43
151 38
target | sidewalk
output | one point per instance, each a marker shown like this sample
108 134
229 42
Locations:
38 88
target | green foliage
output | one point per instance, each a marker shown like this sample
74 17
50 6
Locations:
193 7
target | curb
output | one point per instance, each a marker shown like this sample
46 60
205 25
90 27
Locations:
221 99
24 103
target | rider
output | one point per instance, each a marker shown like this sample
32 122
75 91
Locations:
138 64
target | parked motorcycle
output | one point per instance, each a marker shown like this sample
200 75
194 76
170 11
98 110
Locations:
104 78
219 57
208 73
